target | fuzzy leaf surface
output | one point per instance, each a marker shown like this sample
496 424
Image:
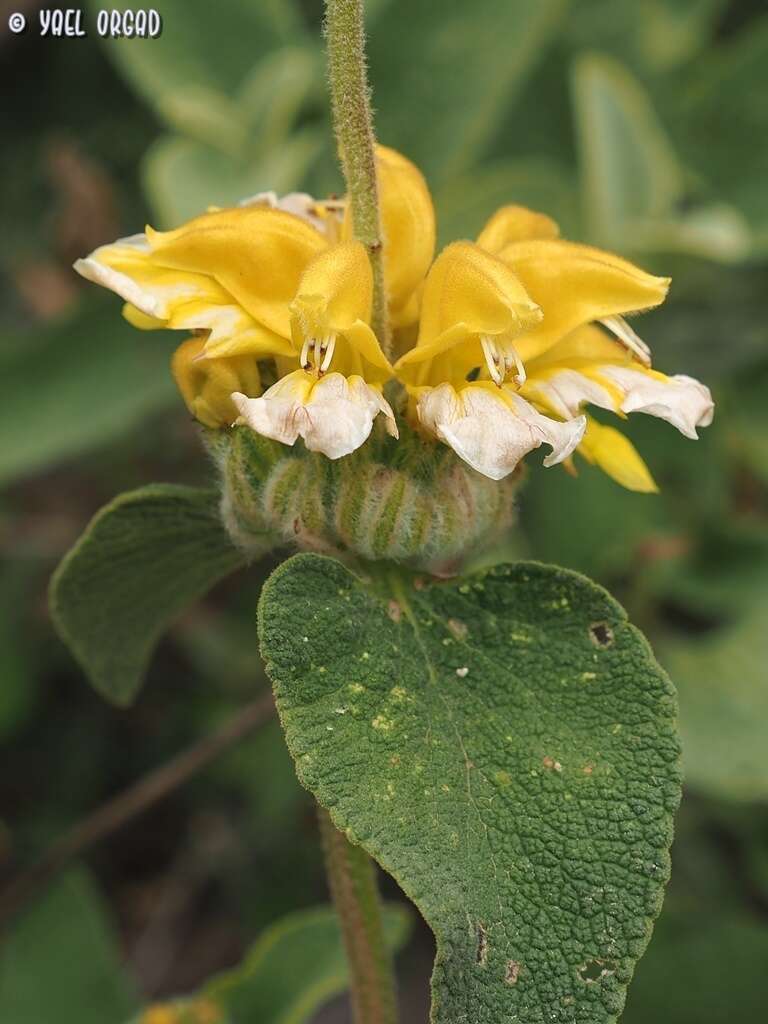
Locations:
142 560
516 774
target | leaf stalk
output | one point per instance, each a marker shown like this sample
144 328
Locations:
352 881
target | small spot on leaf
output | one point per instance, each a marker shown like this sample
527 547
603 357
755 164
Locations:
601 634
595 970
462 672
458 628
511 972
482 944
551 763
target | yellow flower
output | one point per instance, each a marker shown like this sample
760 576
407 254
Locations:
258 281
494 389
206 385
160 1014
330 315
474 310
512 336
408 227
194 1011
333 399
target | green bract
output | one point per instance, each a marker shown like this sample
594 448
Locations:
421 506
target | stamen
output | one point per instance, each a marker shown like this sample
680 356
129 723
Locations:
304 357
500 359
493 359
330 345
618 325
512 358
317 353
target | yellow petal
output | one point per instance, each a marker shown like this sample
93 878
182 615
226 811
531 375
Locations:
334 297
162 297
468 294
140 320
576 284
586 345
515 224
257 255
408 226
206 385
128 268
615 454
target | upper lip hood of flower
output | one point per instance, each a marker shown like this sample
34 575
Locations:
515 224
468 295
332 309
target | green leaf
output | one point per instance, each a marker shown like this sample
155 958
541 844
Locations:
273 94
441 82
142 560
60 964
723 706
505 746
464 203
702 970
77 384
724 100
633 183
211 47
629 170
183 177
657 35
297 965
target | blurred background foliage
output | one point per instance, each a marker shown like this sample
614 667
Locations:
642 127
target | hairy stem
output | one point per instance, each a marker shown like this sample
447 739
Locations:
352 881
353 124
